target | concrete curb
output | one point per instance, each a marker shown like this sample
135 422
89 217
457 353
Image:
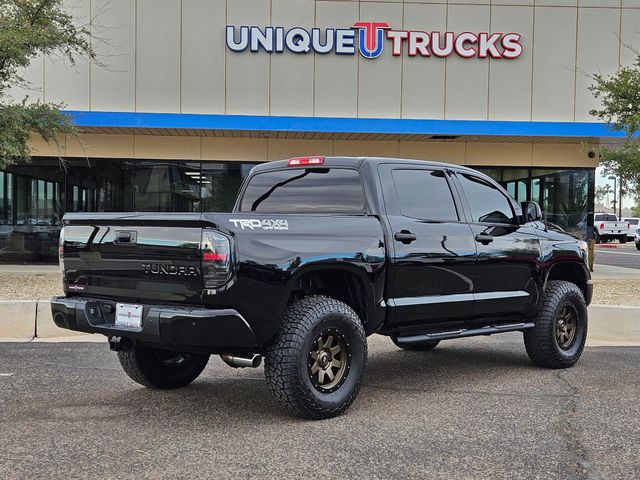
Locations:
26 320
18 319
613 324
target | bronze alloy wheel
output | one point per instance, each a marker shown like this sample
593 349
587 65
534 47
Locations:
314 368
329 361
566 326
560 331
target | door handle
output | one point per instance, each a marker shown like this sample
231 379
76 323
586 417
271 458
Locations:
405 236
124 237
484 239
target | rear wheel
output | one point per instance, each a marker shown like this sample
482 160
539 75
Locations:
560 333
596 236
637 246
416 347
623 239
315 366
162 369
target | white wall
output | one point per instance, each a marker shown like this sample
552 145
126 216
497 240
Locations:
170 56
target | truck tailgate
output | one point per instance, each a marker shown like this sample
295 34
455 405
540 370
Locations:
139 257
615 228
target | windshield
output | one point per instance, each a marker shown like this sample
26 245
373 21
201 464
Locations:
310 190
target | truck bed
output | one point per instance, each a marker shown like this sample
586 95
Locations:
156 258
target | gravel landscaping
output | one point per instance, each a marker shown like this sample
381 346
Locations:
28 286
616 292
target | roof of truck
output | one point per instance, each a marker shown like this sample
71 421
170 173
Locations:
331 161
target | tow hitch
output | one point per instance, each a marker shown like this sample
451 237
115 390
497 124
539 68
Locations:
120 344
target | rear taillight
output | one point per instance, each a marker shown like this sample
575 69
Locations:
602 226
61 252
216 259
301 161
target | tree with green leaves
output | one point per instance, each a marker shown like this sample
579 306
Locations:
29 28
619 96
602 193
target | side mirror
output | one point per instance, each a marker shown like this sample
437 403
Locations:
531 212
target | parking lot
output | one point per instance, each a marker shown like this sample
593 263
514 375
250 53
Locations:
618 255
471 408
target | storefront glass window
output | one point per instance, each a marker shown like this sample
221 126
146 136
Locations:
563 195
166 187
566 198
104 185
220 183
34 197
3 198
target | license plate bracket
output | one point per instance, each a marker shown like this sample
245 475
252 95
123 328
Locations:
128 315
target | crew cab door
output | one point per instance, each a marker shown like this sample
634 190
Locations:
508 276
433 250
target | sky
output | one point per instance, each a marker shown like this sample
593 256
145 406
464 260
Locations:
602 180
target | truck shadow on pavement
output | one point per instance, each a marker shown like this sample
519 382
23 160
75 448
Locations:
241 396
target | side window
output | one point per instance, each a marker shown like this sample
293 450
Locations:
487 203
424 194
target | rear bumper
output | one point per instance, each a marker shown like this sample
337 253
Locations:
161 324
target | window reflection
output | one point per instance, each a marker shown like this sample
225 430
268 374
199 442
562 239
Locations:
34 197
220 183
563 195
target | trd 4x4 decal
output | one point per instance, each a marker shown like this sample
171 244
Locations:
265 224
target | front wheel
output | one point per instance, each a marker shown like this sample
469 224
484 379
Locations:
162 369
637 246
315 366
560 331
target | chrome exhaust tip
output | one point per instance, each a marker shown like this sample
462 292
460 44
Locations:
236 361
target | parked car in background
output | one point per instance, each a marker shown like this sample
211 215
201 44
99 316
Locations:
607 227
637 238
633 225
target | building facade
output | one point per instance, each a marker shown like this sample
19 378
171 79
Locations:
186 95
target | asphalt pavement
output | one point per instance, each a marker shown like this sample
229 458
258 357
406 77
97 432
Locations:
618 255
473 408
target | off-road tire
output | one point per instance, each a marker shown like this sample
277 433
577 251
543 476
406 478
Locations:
287 361
416 347
541 342
152 368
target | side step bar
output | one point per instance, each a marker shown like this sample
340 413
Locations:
465 332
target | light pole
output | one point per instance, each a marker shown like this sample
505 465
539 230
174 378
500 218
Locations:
615 180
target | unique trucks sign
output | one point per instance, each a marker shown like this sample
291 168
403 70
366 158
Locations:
369 39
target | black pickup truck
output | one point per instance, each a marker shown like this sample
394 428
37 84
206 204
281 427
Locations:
317 254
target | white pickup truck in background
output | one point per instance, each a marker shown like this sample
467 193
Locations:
633 226
607 227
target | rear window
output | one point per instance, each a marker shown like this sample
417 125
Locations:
606 218
633 221
309 190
